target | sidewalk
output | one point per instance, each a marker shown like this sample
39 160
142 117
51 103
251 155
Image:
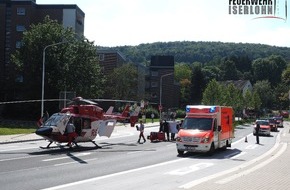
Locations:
272 172
5 139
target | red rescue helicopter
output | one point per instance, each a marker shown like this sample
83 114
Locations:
125 116
88 119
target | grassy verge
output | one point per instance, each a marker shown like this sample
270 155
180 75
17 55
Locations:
12 129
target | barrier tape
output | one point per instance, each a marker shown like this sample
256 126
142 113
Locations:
32 101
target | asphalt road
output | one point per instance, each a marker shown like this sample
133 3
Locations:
122 163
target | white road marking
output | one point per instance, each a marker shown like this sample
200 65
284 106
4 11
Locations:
13 149
252 146
197 182
190 169
115 174
18 158
66 157
134 152
246 172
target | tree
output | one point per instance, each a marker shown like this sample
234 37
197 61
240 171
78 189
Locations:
71 65
256 101
197 85
123 82
182 71
269 68
278 65
212 93
229 70
183 74
281 93
261 69
286 76
264 90
231 96
211 72
247 100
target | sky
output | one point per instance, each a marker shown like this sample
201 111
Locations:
132 22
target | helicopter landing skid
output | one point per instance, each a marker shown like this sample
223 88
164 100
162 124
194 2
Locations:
59 146
97 146
48 146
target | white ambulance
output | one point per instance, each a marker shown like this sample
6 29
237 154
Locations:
205 129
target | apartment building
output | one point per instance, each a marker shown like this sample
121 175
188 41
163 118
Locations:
161 85
110 59
16 16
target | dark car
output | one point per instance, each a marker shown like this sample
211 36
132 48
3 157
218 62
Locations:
279 121
273 124
285 114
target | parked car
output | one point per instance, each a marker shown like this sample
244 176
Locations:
279 121
265 128
284 114
273 124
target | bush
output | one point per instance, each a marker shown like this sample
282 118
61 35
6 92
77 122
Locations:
180 113
151 110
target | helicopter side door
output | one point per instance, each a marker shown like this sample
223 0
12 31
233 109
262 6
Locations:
105 127
61 125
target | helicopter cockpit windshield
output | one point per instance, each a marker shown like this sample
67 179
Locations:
55 119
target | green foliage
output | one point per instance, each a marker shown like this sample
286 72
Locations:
9 129
265 92
211 72
221 61
180 113
212 94
198 84
122 82
229 70
71 64
269 68
203 52
150 110
281 97
247 100
286 76
183 74
182 71
256 101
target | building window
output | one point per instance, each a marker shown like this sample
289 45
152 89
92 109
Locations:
154 73
101 57
20 11
19 78
18 44
154 95
20 28
154 84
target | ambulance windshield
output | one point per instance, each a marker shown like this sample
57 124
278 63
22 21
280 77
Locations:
204 124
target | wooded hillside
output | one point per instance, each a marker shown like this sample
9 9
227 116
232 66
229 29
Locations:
204 52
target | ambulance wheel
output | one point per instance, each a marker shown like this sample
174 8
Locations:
224 148
180 152
211 150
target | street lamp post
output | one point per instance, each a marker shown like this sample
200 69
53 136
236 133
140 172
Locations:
160 93
43 73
